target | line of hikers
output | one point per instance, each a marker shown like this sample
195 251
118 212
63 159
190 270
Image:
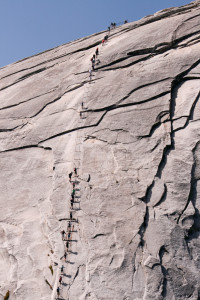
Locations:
95 60
113 25
67 235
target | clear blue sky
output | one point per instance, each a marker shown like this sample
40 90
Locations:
28 27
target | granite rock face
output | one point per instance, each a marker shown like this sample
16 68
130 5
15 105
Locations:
136 224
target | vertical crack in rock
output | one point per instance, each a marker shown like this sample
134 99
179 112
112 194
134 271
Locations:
143 227
193 186
168 148
164 271
163 197
75 276
127 158
159 173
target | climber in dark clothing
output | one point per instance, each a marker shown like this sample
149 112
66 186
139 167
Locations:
71 217
69 226
106 38
58 291
88 180
97 52
93 66
75 171
60 279
63 234
62 269
72 203
67 245
70 176
65 255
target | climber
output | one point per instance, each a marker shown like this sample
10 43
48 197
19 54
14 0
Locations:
93 66
73 184
93 60
60 279
106 37
62 268
102 42
69 226
75 171
67 245
72 195
82 105
69 236
109 29
94 56
58 291
73 192
63 234
88 180
126 21
97 51
71 217
70 176
114 25
72 203
65 255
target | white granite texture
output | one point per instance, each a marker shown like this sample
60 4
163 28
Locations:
136 235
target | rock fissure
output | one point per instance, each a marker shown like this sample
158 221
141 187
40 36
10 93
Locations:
193 183
132 135
22 102
115 106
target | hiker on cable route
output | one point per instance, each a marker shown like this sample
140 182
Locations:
70 176
63 234
58 291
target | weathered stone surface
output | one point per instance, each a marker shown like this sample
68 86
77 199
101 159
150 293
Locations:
137 150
